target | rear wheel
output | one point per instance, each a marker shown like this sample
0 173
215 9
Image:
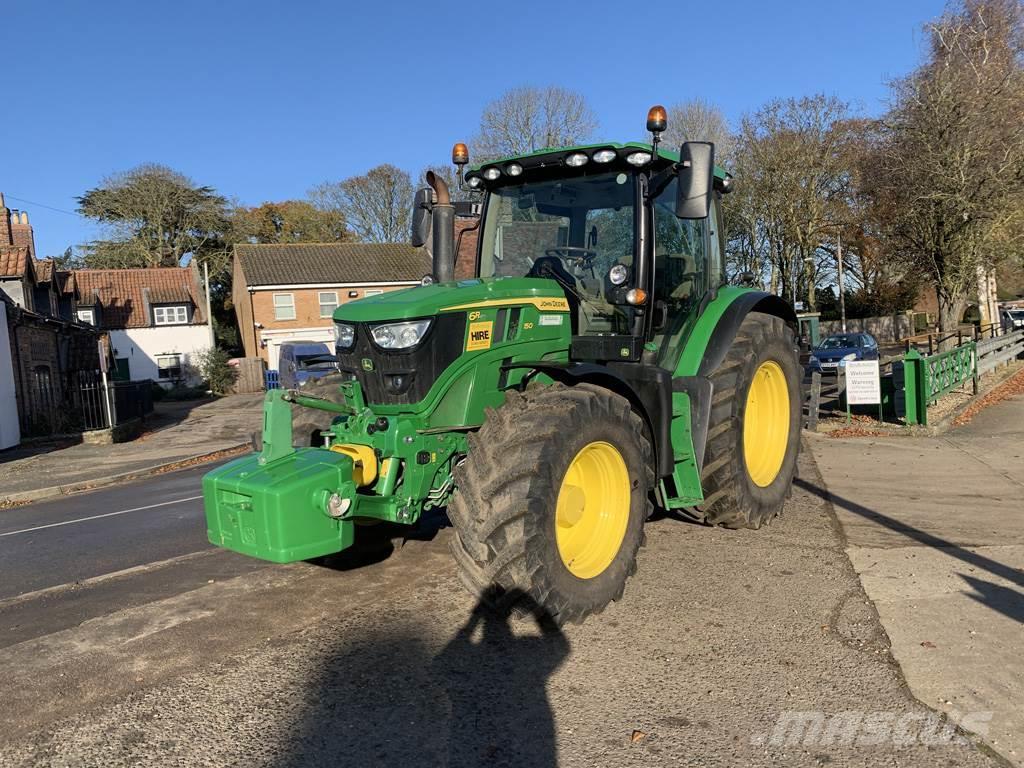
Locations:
551 501
754 431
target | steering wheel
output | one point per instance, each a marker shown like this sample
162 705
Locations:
568 252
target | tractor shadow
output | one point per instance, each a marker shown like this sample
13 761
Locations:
481 700
376 543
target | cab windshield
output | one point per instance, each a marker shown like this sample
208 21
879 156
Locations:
572 231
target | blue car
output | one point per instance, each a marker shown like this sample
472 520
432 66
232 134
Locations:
302 361
838 349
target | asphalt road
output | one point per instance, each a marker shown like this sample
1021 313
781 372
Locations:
128 641
72 559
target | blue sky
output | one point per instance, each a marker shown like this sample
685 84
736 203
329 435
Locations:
262 100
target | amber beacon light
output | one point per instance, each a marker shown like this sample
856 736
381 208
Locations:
657 119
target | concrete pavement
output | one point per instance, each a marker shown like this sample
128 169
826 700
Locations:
178 431
729 648
935 529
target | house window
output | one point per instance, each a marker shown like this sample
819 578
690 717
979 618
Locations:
173 315
86 316
284 306
328 303
372 291
169 367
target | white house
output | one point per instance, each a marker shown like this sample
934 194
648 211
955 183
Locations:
156 319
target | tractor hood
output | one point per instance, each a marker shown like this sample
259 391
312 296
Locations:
428 300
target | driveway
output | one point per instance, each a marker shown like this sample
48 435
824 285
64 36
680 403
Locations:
176 431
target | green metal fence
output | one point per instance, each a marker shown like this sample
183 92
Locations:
928 377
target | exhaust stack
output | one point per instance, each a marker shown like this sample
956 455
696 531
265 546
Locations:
443 228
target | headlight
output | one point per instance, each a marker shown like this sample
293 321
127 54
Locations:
851 356
513 169
812 360
492 173
604 155
400 335
618 274
576 159
638 158
474 182
344 335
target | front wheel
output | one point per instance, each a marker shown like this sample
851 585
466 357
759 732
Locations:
754 431
551 501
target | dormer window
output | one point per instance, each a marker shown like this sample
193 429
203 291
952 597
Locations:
87 316
172 314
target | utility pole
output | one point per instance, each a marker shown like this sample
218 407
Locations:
209 312
842 293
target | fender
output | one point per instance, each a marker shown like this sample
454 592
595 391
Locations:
718 327
647 387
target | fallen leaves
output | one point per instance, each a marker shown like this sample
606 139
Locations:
857 432
637 736
1012 386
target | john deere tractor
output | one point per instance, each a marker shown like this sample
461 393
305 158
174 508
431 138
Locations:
597 365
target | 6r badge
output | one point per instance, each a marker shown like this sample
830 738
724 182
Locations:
479 336
367 364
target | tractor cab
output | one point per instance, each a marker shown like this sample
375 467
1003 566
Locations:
604 223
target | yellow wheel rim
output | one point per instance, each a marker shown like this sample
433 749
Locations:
592 510
766 423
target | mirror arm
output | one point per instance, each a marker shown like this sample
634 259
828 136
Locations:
661 180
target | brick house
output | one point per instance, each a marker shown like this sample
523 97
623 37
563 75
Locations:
156 319
42 346
289 292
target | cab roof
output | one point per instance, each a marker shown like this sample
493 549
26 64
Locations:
540 156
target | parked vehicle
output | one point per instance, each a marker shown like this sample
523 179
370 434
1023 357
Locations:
584 375
839 348
1012 318
300 362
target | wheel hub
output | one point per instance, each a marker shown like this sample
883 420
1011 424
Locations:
592 510
766 423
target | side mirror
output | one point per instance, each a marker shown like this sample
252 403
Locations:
421 207
695 174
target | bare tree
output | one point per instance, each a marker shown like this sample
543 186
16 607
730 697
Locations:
526 119
699 120
792 181
952 164
376 206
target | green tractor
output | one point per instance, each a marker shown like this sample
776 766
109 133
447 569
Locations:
596 366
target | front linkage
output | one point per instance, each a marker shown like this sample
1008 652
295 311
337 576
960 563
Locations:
285 503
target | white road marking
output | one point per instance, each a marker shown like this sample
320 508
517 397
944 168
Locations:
97 517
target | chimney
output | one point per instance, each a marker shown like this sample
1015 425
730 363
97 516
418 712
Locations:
21 232
5 223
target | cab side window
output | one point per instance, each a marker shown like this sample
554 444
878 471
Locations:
680 262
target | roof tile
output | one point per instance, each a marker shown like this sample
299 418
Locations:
331 263
14 260
120 293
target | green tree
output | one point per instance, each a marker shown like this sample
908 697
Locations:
155 217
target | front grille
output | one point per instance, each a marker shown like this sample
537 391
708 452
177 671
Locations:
398 378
